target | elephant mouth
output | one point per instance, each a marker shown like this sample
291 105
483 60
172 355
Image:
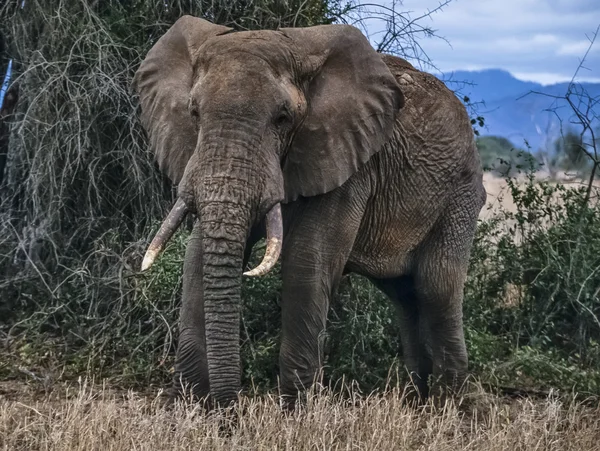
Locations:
178 213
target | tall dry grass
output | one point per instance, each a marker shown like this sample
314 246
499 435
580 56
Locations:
96 419
499 197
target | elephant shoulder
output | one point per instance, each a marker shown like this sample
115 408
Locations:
426 96
414 82
396 64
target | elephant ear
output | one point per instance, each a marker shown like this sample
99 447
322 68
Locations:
163 83
353 100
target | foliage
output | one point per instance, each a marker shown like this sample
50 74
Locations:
364 343
532 295
569 153
501 156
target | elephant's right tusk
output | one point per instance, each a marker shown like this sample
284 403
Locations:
274 243
164 234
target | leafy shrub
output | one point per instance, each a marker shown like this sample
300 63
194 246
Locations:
534 283
498 154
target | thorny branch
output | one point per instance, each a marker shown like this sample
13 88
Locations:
584 107
79 185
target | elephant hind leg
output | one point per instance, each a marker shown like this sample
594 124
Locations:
415 350
439 290
439 274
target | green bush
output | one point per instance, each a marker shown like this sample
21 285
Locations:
533 287
499 155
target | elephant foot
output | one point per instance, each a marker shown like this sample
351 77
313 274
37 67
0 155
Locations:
416 394
433 389
184 391
447 387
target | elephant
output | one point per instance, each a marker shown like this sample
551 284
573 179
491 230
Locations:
345 159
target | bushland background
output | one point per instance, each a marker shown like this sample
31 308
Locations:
80 198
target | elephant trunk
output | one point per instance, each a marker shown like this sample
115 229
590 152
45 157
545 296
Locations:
229 196
224 230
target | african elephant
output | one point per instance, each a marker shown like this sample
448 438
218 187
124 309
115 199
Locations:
346 159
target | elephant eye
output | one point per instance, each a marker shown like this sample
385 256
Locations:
195 114
282 118
193 109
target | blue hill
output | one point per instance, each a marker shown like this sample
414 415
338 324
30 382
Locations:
518 110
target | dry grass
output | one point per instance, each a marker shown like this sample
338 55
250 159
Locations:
97 419
500 199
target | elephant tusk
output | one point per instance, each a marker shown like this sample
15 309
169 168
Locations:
274 243
164 234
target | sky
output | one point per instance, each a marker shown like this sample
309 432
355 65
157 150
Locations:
535 40
5 82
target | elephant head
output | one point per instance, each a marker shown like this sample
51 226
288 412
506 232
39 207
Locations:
243 121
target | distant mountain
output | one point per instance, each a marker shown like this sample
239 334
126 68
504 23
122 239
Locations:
515 109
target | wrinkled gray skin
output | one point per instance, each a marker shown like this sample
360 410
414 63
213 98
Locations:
374 163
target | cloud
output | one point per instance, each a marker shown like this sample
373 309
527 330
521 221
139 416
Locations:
549 78
539 40
577 48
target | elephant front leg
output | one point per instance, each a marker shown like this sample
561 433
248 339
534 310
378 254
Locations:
304 315
190 377
317 247
307 293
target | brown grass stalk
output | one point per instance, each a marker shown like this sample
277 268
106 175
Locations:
90 418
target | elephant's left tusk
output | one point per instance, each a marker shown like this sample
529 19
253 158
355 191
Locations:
164 234
274 243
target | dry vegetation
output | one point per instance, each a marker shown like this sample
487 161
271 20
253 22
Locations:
88 418
500 199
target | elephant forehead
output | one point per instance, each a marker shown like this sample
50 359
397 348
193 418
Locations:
249 48
233 82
